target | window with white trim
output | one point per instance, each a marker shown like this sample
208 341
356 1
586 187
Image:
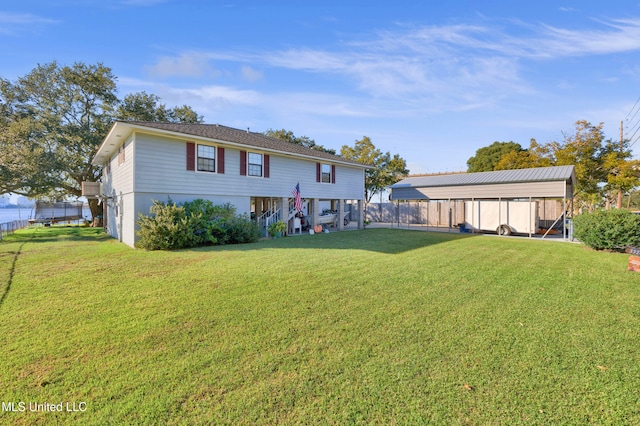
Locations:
255 164
206 158
325 173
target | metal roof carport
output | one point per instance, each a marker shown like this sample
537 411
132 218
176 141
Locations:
556 182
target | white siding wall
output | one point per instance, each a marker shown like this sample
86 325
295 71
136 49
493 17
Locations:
126 218
117 184
144 201
155 168
161 168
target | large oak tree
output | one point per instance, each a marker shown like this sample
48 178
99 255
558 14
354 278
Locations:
52 121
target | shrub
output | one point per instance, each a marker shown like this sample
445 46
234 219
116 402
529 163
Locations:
194 223
241 229
608 229
277 228
168 227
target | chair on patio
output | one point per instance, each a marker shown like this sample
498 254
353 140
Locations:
297 225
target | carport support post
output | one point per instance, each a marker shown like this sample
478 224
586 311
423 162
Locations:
428 208
473 215
499 214
564 213
340 219
530 218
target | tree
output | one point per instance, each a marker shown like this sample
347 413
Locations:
623 173
53 120
143 106
386 169
536 156
287 135
603 168
487 157
61 115
584 150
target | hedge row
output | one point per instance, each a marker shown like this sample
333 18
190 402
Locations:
608 229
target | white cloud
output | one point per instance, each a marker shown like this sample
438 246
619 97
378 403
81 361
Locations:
407 72
622 35
186 65
23 19
251 74
11 23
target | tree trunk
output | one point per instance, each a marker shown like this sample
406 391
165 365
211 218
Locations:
96 212
619 198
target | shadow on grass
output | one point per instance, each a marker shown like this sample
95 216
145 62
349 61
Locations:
382 240
46 234
12 269
389 241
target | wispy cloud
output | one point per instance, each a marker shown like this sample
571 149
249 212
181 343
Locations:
412 70
621 35
185 65
12 23
250 74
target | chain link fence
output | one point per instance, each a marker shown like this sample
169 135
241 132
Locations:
11 227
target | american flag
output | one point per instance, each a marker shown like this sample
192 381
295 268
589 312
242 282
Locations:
297 202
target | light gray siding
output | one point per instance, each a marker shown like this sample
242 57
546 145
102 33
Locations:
144 201
118 184
155 168
161 168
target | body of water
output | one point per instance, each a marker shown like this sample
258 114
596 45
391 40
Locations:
9 215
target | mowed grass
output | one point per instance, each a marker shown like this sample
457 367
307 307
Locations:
376 326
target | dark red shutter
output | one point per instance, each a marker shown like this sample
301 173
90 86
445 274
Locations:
191 156
266 165
318 175
220 160
243 163
333 173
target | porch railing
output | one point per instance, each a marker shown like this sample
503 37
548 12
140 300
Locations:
267 218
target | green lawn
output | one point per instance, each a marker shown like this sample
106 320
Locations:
376 326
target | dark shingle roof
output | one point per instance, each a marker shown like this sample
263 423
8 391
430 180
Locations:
243 137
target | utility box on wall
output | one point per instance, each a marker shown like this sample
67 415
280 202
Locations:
91 189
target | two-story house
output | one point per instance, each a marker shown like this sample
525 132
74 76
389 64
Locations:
145 161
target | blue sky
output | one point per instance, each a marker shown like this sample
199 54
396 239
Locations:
431 81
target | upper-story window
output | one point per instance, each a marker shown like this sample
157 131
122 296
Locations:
255 164
325 173
121 155
206 158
